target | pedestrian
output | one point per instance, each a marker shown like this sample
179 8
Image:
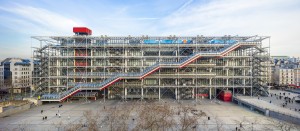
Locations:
45 117
42 111
270 101
69 117
58 115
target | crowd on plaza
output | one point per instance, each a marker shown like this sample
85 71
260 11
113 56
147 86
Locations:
57 114
286 99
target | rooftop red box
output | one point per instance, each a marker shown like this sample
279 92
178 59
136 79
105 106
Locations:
82 30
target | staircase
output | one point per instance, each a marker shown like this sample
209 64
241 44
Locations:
147 71
258 82
42 71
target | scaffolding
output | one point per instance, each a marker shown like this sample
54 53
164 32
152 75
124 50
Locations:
147 67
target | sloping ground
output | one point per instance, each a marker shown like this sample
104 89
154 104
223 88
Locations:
267 105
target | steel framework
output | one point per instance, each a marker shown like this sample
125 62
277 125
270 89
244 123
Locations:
150 67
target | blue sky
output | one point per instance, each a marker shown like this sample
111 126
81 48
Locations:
21 19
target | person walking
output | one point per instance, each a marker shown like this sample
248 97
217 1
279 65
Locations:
58 115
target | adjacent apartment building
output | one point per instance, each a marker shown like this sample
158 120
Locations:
285 71
1 77
286 76
17 74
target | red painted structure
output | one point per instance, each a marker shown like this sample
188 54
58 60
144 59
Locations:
225 96
203 94
293 85
82 31
81 63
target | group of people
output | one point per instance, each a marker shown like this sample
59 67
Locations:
285 97
57 114
44 117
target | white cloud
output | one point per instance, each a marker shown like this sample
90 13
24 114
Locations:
27 21
276 18
39 20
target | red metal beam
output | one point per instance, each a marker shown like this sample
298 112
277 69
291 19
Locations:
190 61
149 72
70 95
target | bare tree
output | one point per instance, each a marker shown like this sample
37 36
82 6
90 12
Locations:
91 120
281 125
116 118
219 124
23 126
241 124
58 125
187 120
74 126
155 117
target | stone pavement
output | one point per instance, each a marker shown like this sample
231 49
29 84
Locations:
228 114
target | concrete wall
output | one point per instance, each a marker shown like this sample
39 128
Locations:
15 110
284 117
267 112
34 100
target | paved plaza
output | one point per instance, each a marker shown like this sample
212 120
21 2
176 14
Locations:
228 115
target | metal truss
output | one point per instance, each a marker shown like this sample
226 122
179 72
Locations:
150 67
